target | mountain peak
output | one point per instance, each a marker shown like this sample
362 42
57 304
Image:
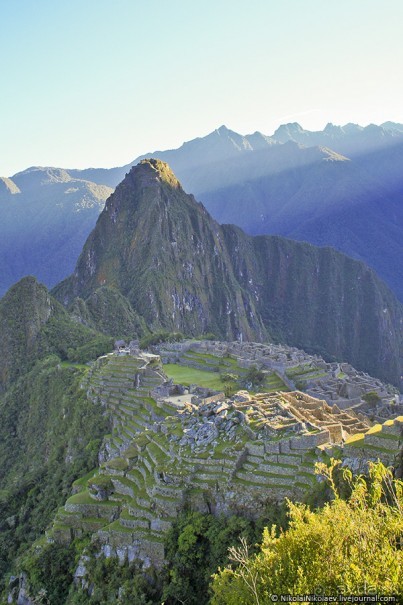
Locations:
223 130
35 176
333 129
152 171
287 131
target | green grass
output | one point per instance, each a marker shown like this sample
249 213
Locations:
70 364
85 498
259 485
116 526
206 356
118 464
186 376
299 371
82 498
82 481
378 448
388 436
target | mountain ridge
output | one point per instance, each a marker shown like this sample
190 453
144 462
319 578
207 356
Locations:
45 217
319 194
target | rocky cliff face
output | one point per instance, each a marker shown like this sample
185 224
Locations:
180 270
320 300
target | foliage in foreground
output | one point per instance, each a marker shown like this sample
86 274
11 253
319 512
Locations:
348 547
197 544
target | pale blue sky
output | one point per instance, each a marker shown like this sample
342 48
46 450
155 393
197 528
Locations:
98 82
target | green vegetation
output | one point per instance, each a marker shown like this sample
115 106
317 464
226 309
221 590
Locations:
186 375
49 569
95 348
197 545
50 435
347 547
372 398
109 312
180 271
254 377
33 326
158 337
118 464
222 374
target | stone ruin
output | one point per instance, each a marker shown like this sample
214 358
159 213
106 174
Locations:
336 383
211 453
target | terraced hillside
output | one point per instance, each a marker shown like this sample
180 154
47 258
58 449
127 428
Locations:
382 442
213 454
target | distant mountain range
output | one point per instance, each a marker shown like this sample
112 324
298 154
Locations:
159 250
342 187
45 217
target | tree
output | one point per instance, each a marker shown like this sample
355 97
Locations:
195 546
254 376
347 547
372 398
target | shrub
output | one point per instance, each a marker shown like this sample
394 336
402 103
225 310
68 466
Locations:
347 547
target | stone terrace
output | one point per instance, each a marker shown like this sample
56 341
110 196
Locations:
220 455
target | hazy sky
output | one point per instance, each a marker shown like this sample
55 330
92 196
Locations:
98 82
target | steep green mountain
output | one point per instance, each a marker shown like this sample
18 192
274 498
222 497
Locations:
181 271
34 325
297 183
151 243
110 312
340 187
49 432
45 217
